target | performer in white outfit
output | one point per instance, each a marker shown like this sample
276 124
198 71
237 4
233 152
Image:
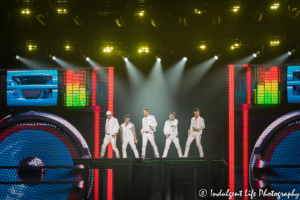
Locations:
171 132
149 127
195 132
111 131
128 135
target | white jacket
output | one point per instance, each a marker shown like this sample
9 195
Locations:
173 131
147 122
113 126
200 124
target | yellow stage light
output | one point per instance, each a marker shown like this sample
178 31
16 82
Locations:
62 11
275 6
25 11
108 49
32 47
274 43
197 11
235 8
141 13
143 49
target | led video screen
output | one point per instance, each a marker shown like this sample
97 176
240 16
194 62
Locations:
48 118
263 137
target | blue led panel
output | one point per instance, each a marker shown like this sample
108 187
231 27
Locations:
32 88
293 84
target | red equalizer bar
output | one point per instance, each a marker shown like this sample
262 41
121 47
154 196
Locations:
246 131
110 151
231 128
96 132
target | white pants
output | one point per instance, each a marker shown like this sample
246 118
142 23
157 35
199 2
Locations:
176 143
133 146
150 137
197 136
106 141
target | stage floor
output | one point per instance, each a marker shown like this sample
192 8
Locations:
163 173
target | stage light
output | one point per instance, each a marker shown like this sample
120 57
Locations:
216 57
25 11
155 22
257 54
62 11
201 47
293 49
17 57
78 20
125 59
197 11
158 58
144 49
67 47
84 56
274 43
235 8
235 45
140 13
292 52
32 47
50 56
120 21
275 6
108 49
185 58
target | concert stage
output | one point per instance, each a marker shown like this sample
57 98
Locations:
170 177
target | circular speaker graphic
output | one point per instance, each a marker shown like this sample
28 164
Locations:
275 160
36 139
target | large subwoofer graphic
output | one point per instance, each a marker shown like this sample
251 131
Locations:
37 140
275 160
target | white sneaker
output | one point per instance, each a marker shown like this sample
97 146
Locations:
143 156
117 156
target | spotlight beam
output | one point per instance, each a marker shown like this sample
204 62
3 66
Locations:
194 75
279 60
154 92
245 60
33 64
174 75
136 78
65 64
